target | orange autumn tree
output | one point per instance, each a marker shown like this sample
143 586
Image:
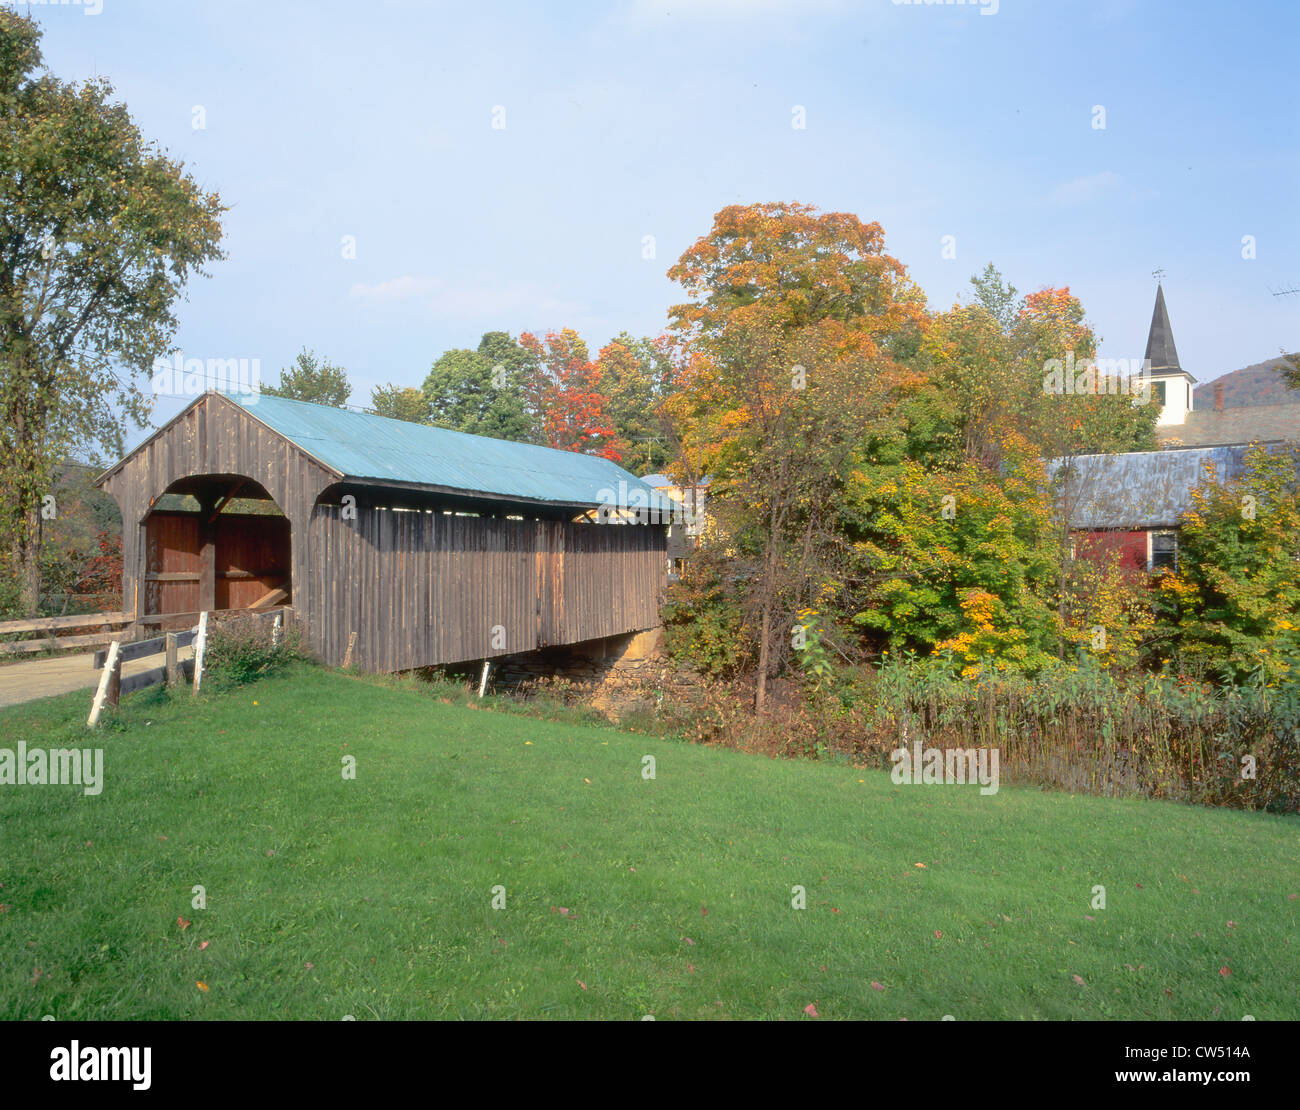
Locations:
563 389
786 353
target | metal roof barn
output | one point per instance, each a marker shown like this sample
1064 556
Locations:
1139 489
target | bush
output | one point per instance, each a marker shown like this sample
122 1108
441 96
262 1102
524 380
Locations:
1076 727
704 620
241 650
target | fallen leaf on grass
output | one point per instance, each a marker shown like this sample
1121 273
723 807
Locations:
203 945
1078 979
202 986
810 1009
877 986
183 923
582 984
1224 971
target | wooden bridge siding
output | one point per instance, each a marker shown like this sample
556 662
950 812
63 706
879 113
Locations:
424 588
215 437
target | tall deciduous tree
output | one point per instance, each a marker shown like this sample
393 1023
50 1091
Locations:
99 233
634 377
789 354
482 391
313 379
564 390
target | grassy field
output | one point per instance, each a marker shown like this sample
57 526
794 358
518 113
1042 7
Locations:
625 896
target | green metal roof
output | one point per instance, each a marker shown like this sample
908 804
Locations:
363 447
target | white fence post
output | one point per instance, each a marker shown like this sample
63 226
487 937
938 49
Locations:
200 643
105 680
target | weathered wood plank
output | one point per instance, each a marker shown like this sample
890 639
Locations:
138 681
47 624
59 643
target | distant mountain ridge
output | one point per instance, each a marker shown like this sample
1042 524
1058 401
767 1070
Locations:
1258 384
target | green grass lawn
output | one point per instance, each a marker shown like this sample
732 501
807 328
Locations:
373 897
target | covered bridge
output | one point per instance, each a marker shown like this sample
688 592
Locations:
431 546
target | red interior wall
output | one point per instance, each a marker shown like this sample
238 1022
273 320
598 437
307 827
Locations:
251 544
252 557
171 547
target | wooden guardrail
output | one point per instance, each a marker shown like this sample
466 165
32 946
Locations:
108 622
112 684
54 625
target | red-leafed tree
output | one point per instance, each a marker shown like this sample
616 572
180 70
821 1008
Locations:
563 390
101 575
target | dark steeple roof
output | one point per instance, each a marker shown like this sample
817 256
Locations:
1160 342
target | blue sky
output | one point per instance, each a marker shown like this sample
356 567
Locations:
639 118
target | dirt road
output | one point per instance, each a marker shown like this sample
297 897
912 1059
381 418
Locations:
44 678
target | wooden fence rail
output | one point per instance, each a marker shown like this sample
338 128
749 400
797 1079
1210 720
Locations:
112 683
55 625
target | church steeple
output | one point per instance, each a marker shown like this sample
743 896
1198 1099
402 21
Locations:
1160 340
1171 385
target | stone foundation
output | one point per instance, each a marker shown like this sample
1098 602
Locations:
615 675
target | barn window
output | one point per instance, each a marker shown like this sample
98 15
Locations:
1164 550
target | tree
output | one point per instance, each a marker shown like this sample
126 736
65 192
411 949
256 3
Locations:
313 379
634 377
482 391
99 233
400 403
800 266
996 371
786 362
564 391
1234 600
958 560
990 362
